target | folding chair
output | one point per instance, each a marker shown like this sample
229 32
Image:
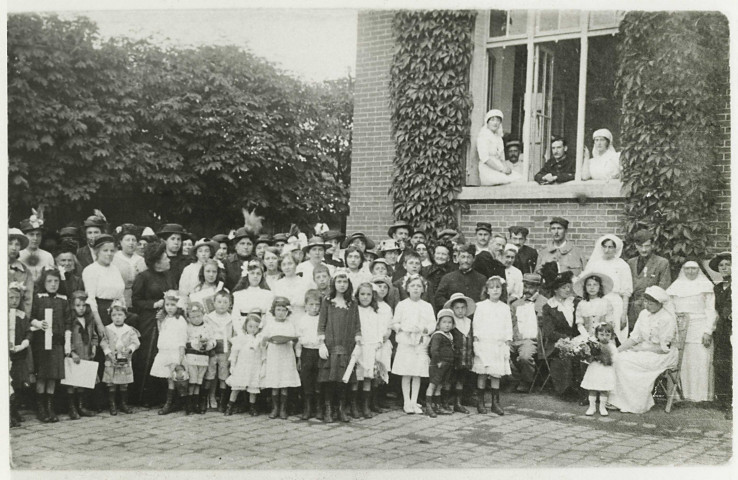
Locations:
670 380
541 362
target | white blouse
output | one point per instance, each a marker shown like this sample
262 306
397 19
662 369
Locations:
173 333
104 283
129 267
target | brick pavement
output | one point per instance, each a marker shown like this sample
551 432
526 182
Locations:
524 437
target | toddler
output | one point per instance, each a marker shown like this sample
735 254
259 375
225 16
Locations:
19 335
600 376
171 345
220 321
441 351
118 346
279 336
84 342
463 335
200 342
246 365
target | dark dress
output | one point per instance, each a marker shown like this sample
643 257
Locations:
148 288
555 327
19 371
340 326
233 270
72 282
723 356
177 264
49 364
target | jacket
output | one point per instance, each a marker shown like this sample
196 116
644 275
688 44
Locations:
655 272
84 337
441 348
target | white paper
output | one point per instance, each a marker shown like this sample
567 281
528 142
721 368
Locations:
49 317
11 326
352 363
81 375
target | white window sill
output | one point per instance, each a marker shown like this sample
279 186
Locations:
533 191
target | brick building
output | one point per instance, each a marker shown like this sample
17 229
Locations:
551 73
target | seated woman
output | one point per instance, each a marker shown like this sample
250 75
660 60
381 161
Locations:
605 161
646 354
493 170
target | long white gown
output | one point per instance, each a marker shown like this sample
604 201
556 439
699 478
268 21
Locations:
491 148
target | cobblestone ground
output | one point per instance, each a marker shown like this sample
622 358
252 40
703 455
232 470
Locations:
537 431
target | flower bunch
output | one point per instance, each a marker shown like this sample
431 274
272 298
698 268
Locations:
567 348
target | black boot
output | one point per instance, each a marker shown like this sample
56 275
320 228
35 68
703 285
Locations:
253 411
318 407
283 407
50 407
480 401
223 400
123 404
366 412
495 408
378 405
342 416
15 416
443 405
83 412
441 409
354 404
167 408
187 400
458 407
203 407
275 404
429 410
307 407
41 412
73 413
229 408
111 402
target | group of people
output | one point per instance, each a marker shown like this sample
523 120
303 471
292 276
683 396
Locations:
500 162
341 322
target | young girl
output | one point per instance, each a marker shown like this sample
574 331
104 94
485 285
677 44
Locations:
593 309
600 375
358 272
463 334
209 284
376 348
492 338
118 346
19 335
272 273
84 339
200 342
221 323
382 288
307 353
413 321
339 331
171 345
204 250
441 351
279 336
249 293
48 357
246 365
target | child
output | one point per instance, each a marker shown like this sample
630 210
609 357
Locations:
48 359
209 284
358 271
339 331
246 365
463 335
593 309
600 375
411 265
382 287
413 321
376 348
222 325
322 280
307 352
19 334
190 278
441 351
379 268
171 345
84 339
279 336
492 338
200 342
118 346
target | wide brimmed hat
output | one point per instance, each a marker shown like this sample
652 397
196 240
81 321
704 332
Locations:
171 229
280 237
388 245
69 232
333 235
242 232
264 238
445 312
205 242
470 305
606 280
717 259
97 220
17 234
103 239
220 238
560 280
399 224
369 243
314 242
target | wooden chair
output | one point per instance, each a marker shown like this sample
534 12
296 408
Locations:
670 380
541 363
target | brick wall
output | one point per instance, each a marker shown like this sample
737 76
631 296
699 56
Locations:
587 221
721 238
373 149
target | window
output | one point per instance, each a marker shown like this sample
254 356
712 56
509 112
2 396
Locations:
551 73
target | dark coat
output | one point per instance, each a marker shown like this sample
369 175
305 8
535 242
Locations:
433 274
655 272
526 259
177 264
84 338
555 327
441 348
563 169
470 283
233 270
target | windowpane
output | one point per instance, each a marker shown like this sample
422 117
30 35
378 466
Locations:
548 20
497 23
569 19
605 18
518 23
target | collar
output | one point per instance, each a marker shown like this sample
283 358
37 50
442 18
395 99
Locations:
533 298
18 266
565 247
464 272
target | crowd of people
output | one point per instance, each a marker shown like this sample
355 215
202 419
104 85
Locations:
332 326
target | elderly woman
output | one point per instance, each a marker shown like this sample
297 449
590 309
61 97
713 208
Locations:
606 259
493 169
646 354
148 298
103 282
605 161
694 303
723 360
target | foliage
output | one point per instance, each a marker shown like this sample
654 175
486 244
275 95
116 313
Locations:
187 135
431 104
672 74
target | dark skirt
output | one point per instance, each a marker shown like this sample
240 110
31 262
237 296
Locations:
723 368
309 360
49 363
20 374
143 390
333 369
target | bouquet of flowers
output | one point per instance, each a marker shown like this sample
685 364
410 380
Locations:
567 348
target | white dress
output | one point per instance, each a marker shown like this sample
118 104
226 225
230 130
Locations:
590 311
190 278
246 300
247 363
491 148
599 377
294 289
696 372
492 325
414 321
373 350
280 363
636 370
605 166
172 337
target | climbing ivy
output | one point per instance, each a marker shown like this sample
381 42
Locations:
431 104
672 76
